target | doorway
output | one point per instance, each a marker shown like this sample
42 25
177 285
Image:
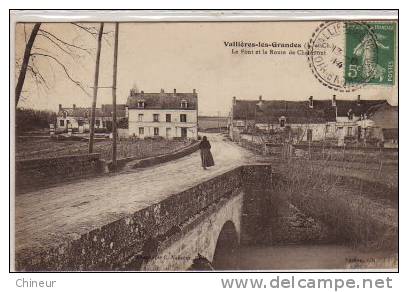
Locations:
183 132
309 135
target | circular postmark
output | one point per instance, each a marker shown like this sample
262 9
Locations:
336 61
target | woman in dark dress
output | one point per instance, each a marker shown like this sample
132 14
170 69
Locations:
206 156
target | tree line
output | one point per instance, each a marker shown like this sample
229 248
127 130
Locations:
31 119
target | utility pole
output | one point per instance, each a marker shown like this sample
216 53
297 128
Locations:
219 127
115 74
95 90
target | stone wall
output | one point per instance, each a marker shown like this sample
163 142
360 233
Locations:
197 237
36 173
127 243
120 244
133 162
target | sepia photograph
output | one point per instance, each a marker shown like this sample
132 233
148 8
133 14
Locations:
222 145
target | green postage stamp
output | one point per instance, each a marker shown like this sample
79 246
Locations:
370 53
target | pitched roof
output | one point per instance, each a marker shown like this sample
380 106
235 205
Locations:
300 112
163 100
107 110
85 112
384 116
363 107
295 112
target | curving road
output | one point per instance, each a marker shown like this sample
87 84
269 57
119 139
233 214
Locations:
50 216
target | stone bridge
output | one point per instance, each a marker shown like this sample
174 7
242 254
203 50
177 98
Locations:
205 222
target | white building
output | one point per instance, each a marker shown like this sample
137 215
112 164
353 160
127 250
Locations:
167 115
78 118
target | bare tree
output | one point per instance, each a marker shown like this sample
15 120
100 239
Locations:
26 59
30 62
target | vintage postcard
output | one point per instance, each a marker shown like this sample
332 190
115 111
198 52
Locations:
205 145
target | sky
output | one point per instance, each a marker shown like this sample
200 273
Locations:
184 56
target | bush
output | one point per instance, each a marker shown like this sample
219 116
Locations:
30 119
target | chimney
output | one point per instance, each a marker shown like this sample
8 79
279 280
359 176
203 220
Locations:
311 101
334 100
59 107
174 90
234 100
194 91
74 106
161 90
260 98
358 99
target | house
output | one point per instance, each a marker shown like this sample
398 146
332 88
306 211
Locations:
164 114
78 118
311 120
351 118
339 121
381 124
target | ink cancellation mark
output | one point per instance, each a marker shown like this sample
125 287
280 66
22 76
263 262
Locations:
344 56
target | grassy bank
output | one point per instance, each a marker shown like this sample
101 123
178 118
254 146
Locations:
358 212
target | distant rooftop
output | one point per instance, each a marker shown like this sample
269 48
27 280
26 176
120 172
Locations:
163 100
295 112
105 110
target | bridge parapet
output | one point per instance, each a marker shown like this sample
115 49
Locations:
115 245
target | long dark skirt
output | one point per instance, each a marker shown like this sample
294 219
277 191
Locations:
207 159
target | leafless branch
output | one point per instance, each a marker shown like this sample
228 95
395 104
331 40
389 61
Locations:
79 84
91 29
39 79
64 42
94 32
38 74
25 34
57 45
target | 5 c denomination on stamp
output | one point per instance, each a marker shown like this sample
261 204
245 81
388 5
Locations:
345 56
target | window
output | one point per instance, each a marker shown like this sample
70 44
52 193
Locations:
168 118
140 104
80 122
156 131
327 128
184 104
62 123
64 114
140 117
349 131
155 117
141 131
183 118
282 122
